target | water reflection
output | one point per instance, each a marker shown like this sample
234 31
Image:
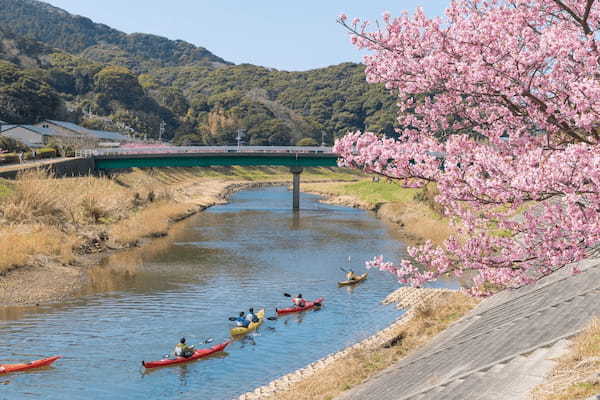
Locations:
246 254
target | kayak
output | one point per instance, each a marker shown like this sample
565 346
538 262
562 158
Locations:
354 281
200 353
240 330
307 306
7 368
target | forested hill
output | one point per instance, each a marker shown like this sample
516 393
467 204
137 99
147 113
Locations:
79 35
56 65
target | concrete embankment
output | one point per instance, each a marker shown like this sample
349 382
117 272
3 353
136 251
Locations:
405 298
502 349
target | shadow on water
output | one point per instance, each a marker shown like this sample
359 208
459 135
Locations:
138 303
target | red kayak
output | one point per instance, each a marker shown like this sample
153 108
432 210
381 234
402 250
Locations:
200 353
6 368
307 306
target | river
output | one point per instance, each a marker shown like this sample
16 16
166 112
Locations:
229 258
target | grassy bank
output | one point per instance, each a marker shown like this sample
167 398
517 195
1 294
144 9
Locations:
429 317
577 374
412 209
62 219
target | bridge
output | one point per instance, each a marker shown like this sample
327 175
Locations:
296 158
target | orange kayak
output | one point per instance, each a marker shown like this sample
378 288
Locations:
7 368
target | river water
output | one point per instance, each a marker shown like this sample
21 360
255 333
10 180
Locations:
222 261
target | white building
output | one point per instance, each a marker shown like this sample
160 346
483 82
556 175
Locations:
32 136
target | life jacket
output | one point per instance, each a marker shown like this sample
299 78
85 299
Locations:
252 318
242 321
299 301
350 276
181 349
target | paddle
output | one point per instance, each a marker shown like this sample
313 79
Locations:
287 295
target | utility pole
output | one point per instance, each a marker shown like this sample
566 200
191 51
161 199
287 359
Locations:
240 136
162 130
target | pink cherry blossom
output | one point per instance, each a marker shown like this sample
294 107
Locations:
500 103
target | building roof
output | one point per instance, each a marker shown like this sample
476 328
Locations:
103 135
37 129
6 127
69 126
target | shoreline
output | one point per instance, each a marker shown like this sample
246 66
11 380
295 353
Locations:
413 221
45 280
406 298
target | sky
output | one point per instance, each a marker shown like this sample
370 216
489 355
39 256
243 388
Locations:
289 35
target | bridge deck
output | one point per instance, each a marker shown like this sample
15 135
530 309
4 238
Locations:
214 156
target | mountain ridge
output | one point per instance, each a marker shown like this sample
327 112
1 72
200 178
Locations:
75 34
101 82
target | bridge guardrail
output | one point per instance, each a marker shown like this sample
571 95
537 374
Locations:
206 149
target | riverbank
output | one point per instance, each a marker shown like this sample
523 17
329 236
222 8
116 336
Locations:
54 230
412 212
428 312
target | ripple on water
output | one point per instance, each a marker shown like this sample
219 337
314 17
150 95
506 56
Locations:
232 257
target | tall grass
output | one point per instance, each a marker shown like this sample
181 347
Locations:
430 318
150 222
577 374
20 246
45 216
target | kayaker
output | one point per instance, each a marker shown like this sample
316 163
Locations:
351 276
299 301
242 320
183 350
251 317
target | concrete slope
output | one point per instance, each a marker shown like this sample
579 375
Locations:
500 350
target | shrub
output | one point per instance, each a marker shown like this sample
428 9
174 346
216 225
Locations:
307 142
9 158
46 153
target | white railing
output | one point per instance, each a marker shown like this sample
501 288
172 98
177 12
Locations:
206 149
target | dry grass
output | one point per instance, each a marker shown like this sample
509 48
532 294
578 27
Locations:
429 319
577 375
42 215
19 246
150 222
40 198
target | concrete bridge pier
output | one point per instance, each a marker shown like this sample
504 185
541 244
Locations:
296 171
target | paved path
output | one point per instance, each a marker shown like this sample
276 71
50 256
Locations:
32 164
499 351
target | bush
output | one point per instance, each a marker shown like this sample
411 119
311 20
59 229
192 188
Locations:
11 145
9 158
307 142
46 153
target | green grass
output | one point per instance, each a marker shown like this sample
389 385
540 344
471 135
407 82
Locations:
278 173
371 192
6 188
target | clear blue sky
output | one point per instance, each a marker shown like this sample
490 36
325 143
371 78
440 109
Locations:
283 34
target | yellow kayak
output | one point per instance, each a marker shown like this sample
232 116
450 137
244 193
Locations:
354 281
240 330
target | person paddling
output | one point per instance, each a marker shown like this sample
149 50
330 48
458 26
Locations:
351 276
241 320
183 350
299 301
251 317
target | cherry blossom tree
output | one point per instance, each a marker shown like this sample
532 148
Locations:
500 104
